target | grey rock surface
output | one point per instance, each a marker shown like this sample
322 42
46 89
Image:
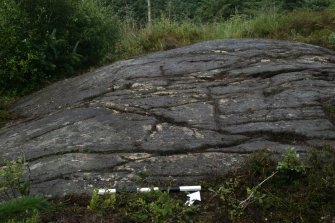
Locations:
184 113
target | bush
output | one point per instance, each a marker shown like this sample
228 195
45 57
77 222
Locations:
43 39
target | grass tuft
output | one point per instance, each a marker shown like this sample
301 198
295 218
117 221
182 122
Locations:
21 208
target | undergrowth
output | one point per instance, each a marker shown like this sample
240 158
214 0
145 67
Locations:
268 188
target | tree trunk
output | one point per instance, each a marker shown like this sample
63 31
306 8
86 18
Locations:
149 13
170 8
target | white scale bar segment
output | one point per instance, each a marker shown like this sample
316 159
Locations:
190 188
106 191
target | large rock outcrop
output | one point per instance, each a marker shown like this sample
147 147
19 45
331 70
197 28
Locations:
184 113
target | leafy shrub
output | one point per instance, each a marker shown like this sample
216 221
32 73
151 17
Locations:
291 162
13 178
157 206
100 204
42 39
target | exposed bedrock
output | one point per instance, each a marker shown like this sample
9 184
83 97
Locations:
184 113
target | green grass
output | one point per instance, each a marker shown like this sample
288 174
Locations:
314 27
162 35
21 208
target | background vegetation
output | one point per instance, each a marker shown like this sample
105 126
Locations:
44 39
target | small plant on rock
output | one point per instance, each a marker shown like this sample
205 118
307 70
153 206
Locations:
291 162
101 204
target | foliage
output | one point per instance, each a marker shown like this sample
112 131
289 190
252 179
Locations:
163 35
332 38
14 186
291 162
207 10
306 26
101 204
176 10
293 189
42 39
316 4
223 9
13 178
227 192
303 25
24 208
157 206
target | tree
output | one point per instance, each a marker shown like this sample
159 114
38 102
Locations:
42 39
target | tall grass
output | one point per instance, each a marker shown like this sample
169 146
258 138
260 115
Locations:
164 34
22 208
315 27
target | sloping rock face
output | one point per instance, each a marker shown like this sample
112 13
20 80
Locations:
185 113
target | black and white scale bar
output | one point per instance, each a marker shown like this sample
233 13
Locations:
148 189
